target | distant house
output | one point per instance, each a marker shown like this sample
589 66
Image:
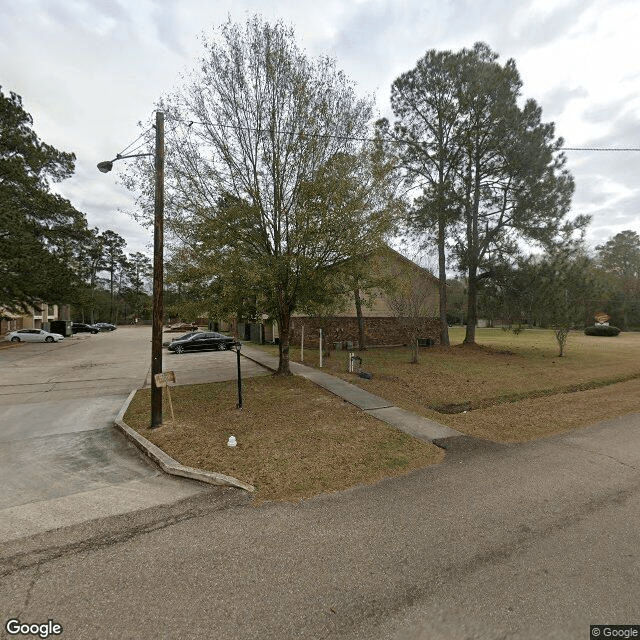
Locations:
32 318
384 322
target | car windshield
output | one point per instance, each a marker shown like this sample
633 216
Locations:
188 336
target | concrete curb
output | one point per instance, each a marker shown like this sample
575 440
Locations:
7 344
166 462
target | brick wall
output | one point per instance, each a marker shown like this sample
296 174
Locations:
378 331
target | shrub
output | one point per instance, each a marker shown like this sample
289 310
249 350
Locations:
602 330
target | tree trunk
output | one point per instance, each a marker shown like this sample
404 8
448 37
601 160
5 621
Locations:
361 338
284 327
442 283
111 298
473 210
472 307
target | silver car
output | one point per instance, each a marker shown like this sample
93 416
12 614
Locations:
34 335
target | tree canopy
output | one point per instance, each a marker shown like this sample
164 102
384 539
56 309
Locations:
34 222
619 262
490 172
270 184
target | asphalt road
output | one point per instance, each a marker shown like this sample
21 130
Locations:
61 460
528 541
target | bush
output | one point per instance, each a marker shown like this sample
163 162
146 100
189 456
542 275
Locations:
602 330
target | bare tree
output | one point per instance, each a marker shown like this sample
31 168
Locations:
411 302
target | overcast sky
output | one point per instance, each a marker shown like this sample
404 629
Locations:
89 71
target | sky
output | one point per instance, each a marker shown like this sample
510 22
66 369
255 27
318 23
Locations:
89 72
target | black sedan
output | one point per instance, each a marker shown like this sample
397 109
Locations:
105 326
81 327
201 341
186 336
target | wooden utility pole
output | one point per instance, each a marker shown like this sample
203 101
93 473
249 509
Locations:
158 299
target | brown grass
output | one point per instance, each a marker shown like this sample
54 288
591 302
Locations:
295 440
513 387
539 417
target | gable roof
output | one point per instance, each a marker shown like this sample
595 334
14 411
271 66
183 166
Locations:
410 262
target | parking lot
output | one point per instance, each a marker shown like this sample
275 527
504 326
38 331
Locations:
57 406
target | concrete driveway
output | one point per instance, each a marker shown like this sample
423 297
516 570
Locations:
57 406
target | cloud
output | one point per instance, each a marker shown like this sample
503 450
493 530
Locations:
89 71
556 101
540 23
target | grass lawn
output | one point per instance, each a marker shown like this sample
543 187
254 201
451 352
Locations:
295 440
512 387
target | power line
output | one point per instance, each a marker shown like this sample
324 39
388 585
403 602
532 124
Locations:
600 149
301 134
128 147
360 139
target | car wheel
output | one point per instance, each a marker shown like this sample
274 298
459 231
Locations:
94 332
48 339
179 349
221 346
15 339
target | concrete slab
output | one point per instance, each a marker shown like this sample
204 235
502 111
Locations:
266 360
347 391
48 467
54 417
413 424
209 366
37 517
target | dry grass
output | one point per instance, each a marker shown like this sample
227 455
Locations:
295 440
539 417
513 387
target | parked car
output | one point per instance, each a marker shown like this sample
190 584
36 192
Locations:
81 327
184 337
181 326
202 341
34 335
105 326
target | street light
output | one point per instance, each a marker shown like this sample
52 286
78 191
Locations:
158 302
238 346
107 165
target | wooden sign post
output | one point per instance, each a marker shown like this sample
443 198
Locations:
162 380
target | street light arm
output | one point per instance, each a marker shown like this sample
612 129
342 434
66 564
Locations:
134 155
107 165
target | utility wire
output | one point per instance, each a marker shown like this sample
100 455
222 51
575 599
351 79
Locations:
359 139
190 123
600 149
128 147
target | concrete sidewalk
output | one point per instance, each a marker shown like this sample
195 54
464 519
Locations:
375 406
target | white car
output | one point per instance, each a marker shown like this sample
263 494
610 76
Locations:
34 335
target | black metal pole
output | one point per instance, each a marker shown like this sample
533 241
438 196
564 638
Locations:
239 382
158 301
